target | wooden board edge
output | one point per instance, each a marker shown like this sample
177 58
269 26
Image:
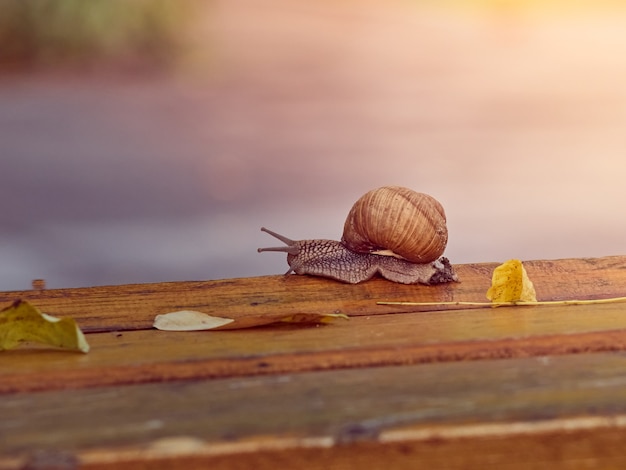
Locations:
550 444
215 368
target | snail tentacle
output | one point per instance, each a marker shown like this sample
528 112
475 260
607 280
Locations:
292 247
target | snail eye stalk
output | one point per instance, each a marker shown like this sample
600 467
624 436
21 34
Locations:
291 248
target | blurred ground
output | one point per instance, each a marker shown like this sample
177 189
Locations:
512 115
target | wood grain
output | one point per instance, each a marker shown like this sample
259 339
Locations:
380 340
134 306
412 387
432 406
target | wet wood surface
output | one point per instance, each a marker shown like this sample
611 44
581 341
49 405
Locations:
510 387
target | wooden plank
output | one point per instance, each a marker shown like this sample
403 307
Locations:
151 355
126 351
590 448
379 340
517 404
128 307
558 444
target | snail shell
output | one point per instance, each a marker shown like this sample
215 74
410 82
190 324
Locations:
409 224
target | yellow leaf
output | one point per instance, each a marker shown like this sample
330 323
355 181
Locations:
22 322
510 283
190 320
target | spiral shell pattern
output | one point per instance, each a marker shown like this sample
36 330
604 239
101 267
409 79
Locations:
411 225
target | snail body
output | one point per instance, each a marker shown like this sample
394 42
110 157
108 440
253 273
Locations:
391 231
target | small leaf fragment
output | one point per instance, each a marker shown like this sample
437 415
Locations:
314 317
510 283
189 320
23 322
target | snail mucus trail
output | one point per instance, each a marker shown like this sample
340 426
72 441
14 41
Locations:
356 257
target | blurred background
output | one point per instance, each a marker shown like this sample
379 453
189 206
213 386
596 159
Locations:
145 141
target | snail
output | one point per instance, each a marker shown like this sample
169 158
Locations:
392 231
